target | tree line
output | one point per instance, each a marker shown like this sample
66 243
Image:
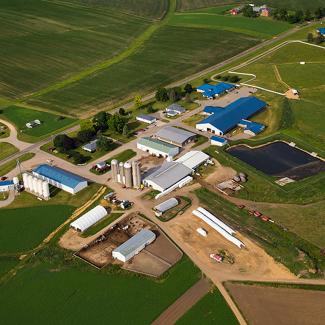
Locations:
297 16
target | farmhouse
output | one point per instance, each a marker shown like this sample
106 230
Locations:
193 159
175 136
89 218
157 148
163 207
167 175
218 141
175 109
91 146
61 178
212 91
226 119
146 119
134 245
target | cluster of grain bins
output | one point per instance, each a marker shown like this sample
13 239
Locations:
128 174
218 225
36 186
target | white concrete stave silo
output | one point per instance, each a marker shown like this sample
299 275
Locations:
30 182
25 181
121 172
35 184
39 187
128 174
115 170
45 190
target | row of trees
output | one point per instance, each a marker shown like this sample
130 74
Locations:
173 94
297 16
232 79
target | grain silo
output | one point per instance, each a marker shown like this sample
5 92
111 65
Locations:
35 184
39 187
30 182
115 172
45 190
128 174
121 169
25 181
136 174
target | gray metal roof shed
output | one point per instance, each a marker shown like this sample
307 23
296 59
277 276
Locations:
166 205
175 135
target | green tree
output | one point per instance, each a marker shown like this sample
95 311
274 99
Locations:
116 123
78 158
138 101
162 95
85 135
125 131
122 111
65 142
100 121
86 124
310 38
249 12
319 13
150 109
188 98
234 79
188 88
172 95
308 15
104 144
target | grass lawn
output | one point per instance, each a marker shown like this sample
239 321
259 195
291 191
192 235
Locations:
161 60
23 228
193 120
211 309
107 292
4 131
102 224
200 140
54 40
123 156
286 247
10 165
7 149
7 263
19 116
259 27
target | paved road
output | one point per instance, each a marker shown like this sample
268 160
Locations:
184 303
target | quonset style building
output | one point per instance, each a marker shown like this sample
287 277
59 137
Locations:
61 178
134 245
223 120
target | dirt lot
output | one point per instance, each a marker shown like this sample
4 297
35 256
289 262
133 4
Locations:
220 174
281 306
251 260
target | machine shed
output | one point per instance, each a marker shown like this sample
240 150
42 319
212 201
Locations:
176 136
134 245
89 219
165 206
193 159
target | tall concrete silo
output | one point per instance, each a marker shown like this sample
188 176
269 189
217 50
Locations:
115 171
45 190
35 184
25 181
121 169
30 182
128 174
136 174
39 187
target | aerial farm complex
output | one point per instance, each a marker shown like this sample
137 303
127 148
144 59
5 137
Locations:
162 162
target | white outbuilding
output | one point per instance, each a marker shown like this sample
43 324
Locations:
163 207
89 219
134 245
193 159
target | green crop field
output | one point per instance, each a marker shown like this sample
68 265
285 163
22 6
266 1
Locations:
57 295
7 149
183 5
22 229
45 41
19 116
259 27
170 54
211 309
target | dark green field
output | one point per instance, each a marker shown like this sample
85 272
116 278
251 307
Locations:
45 41
49 294
170 54
210 310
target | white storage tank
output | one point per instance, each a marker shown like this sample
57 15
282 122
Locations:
30 182
40 187
15 180
121 169
115 172
128 174
25 181
45 189
35 184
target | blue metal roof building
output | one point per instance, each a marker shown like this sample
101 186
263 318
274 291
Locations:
6 186
211 109
61 178
321 31
218 141
225 119
211 91
250 127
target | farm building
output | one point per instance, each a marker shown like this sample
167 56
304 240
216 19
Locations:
218 141
321 31
134 245
209 110
157 148
146 119
91 146
175 109
193 159
6 186
167 175
61 178
226 119
163 207
89 218
212 91
251 128
175 136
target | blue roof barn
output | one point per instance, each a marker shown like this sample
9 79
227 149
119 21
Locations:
212 91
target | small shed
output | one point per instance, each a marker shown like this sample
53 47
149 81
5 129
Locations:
91 146
218 141
146 119
163 207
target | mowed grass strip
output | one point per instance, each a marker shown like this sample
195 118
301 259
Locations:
10 165
49 40
113 297
19 116
259 27
23 229
7 149
211 309
171 54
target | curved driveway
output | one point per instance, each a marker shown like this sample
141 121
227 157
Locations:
13 137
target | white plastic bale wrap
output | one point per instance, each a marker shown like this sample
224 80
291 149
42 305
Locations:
220 230
216 220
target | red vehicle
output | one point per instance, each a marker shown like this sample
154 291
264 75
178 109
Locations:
265 218
218 258
257 214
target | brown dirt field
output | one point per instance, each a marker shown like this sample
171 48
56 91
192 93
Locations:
72 240
220 174
252 260
281 306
